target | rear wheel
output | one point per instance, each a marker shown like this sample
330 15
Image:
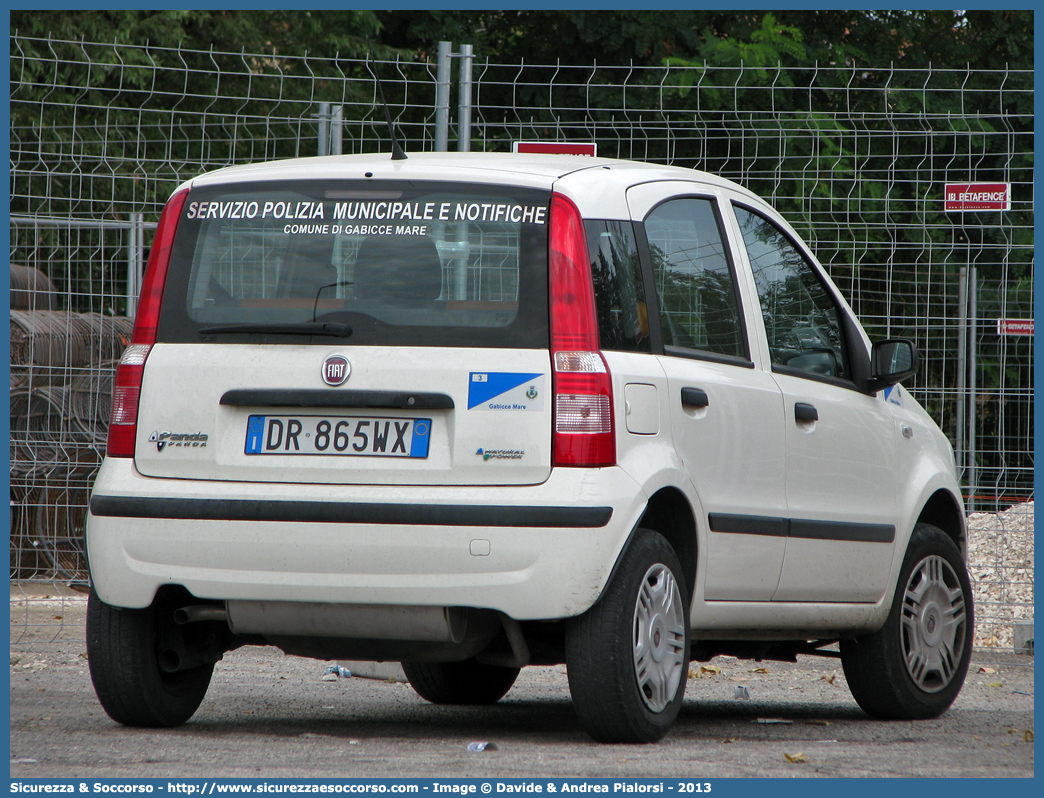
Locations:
131 686
628 656
914 667
467 682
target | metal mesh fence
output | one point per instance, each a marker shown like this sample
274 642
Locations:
855 157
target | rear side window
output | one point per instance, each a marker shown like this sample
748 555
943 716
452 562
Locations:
699 306
623 324
420 264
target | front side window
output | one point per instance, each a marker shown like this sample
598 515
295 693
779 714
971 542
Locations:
699 306
407 263
802 320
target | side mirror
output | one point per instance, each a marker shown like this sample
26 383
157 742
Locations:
892 361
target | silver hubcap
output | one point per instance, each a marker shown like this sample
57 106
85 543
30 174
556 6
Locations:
933 624
659 637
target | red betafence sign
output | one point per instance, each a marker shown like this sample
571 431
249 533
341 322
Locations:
1014 326
555 148
978 197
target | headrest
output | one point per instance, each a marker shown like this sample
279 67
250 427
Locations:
395 268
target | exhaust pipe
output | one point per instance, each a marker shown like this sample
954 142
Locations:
200 612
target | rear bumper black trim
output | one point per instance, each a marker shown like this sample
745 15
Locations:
800 528
349 512
280 397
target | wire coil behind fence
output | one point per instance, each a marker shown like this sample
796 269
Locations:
62 368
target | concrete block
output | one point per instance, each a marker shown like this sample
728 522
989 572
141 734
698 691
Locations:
1024 637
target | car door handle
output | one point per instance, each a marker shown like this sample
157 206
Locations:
694 397
805 412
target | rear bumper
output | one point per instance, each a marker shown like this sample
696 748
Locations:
533 552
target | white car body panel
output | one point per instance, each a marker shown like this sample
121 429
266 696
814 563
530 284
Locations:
528 573
839 469
457 433
924 466
733 450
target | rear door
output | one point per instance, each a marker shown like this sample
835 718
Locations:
726 414
353 333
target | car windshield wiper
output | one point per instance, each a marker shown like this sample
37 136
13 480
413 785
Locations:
299 328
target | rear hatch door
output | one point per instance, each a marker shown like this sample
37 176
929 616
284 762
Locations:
334 332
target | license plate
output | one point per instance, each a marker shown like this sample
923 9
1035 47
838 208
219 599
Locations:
343 436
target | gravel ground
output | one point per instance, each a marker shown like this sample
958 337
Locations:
270 715
1000 564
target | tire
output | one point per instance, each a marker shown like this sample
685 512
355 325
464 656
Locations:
627 657
914 666
132 689
468 682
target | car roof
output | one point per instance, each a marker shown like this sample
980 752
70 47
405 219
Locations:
597 185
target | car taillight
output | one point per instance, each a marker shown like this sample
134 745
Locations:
126 389
583 409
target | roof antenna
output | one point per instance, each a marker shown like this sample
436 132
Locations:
397 153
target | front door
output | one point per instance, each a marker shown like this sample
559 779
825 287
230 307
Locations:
840 441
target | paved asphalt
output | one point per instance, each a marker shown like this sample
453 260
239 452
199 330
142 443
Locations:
269 715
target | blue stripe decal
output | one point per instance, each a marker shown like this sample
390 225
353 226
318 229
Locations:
486 385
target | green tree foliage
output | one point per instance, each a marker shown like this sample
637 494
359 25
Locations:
83 80
909 39
323 34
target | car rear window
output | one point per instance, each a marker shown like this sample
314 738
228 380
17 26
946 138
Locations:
399 263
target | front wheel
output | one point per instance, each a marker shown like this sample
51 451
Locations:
914 666
628 656
125 670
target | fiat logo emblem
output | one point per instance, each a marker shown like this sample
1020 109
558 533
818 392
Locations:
336 370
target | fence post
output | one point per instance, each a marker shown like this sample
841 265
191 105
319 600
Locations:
464 117
132 272
324 129
135 244
973 291
962 367
336 129
442 97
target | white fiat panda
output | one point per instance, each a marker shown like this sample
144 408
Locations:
472 412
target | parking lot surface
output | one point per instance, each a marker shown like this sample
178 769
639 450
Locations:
269 715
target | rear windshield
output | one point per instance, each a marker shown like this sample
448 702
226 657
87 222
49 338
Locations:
404 263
